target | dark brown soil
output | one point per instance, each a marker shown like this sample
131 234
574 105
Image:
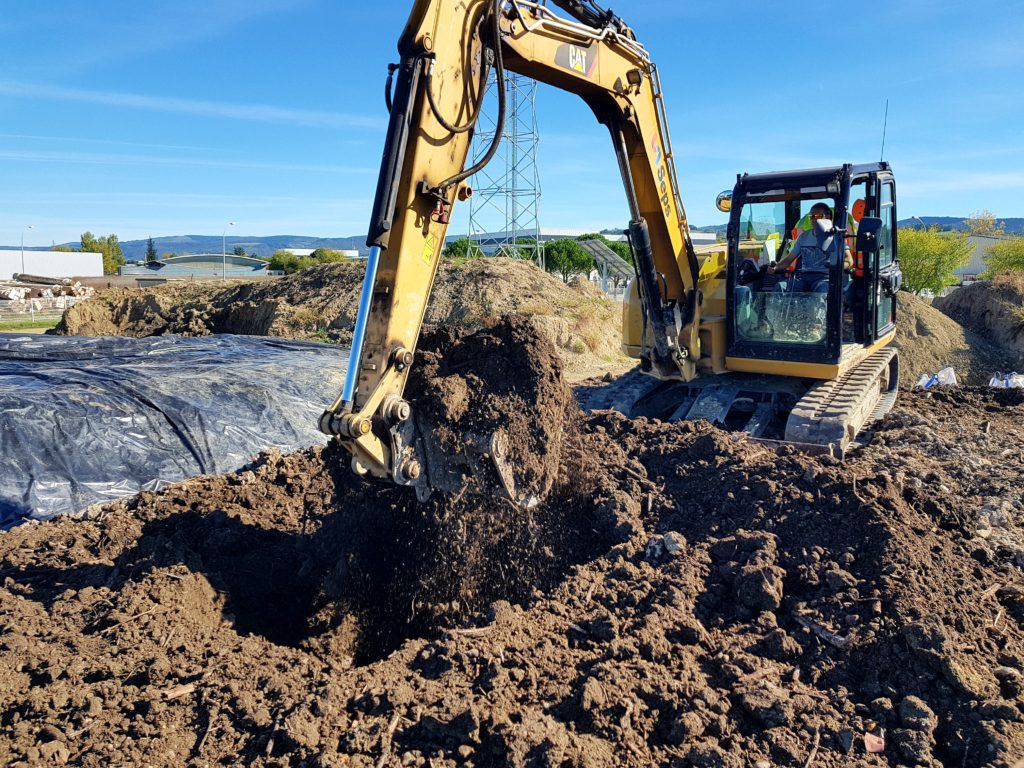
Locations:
505 380
681 598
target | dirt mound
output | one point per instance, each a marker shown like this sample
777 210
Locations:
682 598
503 383
993 309
929 340
320 304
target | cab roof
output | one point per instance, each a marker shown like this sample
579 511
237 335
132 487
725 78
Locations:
808 177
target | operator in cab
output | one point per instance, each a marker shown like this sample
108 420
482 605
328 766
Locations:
812 262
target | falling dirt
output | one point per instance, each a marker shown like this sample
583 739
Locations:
320 304
681 598
465 396
993 309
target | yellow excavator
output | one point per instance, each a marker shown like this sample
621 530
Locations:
722 332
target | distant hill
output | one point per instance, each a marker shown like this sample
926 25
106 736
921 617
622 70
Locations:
1009 226
264 247
718 229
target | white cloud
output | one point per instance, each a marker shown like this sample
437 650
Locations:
139 28
252 112
108 142
93 158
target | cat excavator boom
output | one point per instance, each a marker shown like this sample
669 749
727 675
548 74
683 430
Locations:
448 49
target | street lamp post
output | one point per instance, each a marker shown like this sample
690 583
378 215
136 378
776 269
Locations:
30 226
224 250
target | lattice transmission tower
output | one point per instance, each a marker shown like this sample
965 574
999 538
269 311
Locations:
504 211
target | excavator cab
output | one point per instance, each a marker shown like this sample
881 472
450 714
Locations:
800 287
715 339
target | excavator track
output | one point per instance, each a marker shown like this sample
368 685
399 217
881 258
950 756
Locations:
621 394
822 418
833 412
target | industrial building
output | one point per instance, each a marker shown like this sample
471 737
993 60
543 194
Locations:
196 266
49 263
981 244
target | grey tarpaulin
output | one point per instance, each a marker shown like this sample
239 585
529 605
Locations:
84 420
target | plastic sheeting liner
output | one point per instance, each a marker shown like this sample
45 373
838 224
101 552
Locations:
86 420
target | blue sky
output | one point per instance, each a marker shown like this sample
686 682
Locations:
168 118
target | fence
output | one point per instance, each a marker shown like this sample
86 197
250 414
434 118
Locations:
36 309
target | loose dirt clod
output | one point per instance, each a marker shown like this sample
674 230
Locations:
681 598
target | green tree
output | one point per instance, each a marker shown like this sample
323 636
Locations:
984 222
150 251
326 256
284 261
63 249
928 258
457 249
108 246
238 251
1006 256
567 258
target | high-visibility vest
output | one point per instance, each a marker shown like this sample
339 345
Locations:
856 214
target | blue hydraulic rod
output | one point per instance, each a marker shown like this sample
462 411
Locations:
362 314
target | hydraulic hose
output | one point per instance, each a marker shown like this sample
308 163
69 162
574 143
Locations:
485 72
387 85
499 73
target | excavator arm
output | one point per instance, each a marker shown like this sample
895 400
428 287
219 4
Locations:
447 49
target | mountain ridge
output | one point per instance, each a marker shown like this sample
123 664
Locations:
264 247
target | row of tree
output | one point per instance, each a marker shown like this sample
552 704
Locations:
565 257
288 262
930 257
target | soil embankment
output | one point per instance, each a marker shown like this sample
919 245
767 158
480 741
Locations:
680 598
993 309
320 303
929 340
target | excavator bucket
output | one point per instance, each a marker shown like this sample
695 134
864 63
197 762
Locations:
488 412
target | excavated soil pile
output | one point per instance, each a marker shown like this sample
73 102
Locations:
681 598
993 309
929 340
320 303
